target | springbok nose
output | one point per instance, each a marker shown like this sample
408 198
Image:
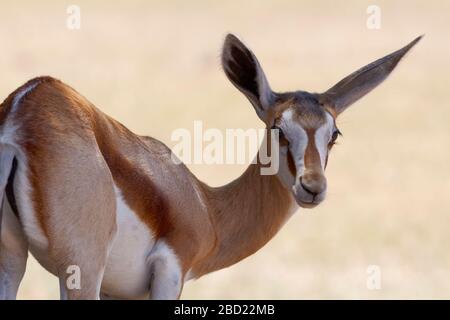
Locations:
314 183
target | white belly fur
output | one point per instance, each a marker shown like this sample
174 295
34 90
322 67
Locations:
132 255
128 272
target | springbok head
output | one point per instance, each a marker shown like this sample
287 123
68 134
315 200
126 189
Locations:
306 122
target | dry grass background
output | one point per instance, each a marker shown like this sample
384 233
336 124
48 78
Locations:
154 65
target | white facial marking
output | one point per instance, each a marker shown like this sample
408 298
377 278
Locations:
322 138
298 141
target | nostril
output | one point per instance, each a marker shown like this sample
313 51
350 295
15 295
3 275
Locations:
307 188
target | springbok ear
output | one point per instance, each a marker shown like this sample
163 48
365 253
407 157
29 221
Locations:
245 73
361 82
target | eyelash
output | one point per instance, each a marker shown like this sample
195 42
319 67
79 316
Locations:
334 137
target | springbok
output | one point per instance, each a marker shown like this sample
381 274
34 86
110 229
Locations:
84 193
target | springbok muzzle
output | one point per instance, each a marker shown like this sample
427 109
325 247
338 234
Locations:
310 189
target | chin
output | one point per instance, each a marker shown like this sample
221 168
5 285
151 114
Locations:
307 205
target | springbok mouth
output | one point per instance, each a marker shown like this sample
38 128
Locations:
307 205
307 200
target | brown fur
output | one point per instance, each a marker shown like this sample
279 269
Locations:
262 204
71 187
205 239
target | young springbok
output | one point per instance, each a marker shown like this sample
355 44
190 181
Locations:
82 192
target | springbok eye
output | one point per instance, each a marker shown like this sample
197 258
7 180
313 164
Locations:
334 136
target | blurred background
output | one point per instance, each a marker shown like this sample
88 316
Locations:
154 66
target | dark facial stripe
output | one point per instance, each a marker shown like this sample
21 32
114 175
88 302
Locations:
291 164
312 156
